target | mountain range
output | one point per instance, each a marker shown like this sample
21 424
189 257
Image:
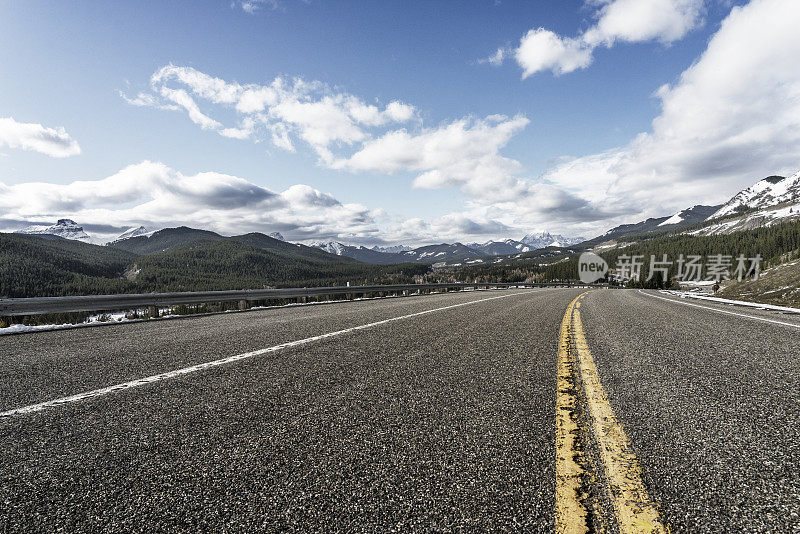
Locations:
770 200
446 252
56 260
177 259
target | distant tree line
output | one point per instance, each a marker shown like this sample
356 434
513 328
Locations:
34 266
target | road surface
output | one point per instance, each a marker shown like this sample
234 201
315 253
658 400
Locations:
425 413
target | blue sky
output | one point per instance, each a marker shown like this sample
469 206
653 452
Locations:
572 163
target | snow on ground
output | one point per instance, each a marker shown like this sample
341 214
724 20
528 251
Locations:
605 246
166 313
116 317
675 219
698 283
685 294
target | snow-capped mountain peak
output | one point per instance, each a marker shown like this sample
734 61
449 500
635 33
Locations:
394 249
331 247
546 239
276 235
769 192
66 228
133 231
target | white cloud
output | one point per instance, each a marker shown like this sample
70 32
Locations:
542 49
495 59
283 110
182 98
154 195
54 142
236 133
147 100
215 89
458 225
251 6
644 20
464 153
732 118
347 133
630 21
399 112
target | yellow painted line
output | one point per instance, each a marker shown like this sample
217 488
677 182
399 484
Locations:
633 508
571 514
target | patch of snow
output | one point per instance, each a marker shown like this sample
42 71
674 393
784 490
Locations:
395 249
684 294
761 218
133 231
116 317
331 247
765 193
675 219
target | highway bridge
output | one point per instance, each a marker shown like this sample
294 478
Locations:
532 410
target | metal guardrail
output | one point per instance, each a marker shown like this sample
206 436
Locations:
97 303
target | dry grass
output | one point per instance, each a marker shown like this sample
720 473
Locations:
778 285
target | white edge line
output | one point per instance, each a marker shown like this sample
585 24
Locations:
793 325
222 361
757 305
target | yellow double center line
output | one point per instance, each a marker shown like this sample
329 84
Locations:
586 424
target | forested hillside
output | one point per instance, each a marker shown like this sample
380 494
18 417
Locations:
232 265
776 244
266 242
166 239
32 265
47 266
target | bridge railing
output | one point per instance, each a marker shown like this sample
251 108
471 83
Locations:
104 303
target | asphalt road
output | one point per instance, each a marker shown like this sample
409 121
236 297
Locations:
711 404
437 422
441 421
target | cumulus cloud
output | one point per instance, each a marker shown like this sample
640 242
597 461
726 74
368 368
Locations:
542 49
350 134
732 118
464 227
283 111
634 21
629 21
464 153
155 195
460 224
54 142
